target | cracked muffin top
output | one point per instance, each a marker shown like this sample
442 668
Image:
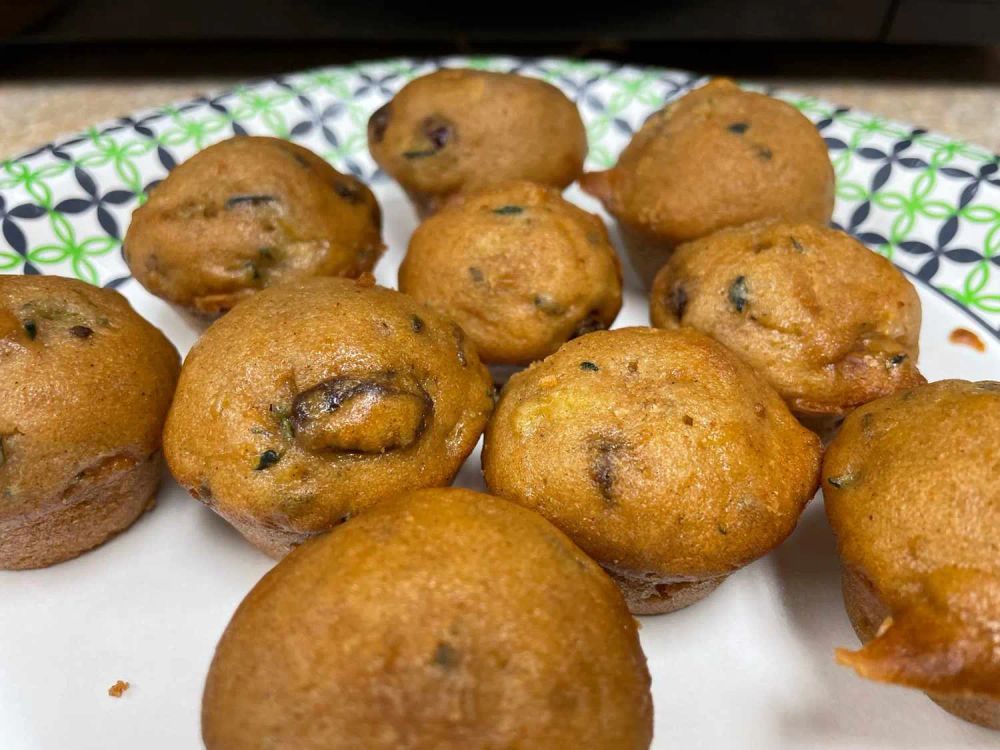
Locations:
829 323
519 268
459 129
247 213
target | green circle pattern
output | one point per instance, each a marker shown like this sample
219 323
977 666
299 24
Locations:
928 202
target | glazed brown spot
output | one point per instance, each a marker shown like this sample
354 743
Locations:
446 656
377 414
378 123
602 467
348 192
253 201
722 529
547 305
739 293
688 420
82 332
588 366
797 245
738 128
843 481
588 325
31 328
763 153
633 367
678 301
965 337
867 425
476 274
459 335
416 323
760 410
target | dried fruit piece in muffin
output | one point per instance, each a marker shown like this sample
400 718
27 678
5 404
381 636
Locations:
438 620
458 129
519 268
247 213
717 157
665 457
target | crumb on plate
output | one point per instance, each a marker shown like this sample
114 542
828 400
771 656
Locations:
116 690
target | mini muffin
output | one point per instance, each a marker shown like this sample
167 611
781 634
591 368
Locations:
439 620
830 324
666 458
314 399
519 268
717 157
912 492
86 388
247 213
458 129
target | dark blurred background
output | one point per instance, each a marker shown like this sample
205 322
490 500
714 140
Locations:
935 62
894 21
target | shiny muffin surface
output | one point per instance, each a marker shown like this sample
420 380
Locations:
442 619
912 494
519 268
830 324
717 157
314 399
87 384
247 213
660 453
458 129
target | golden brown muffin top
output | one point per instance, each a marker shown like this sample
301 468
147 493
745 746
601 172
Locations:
912 486
313 399
830 324
87 384
463 129
439 619
658 452
519 268
718 156
247 213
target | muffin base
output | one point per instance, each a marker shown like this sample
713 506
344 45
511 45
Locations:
650 597
867 611
273 542
825 425
646 254
425 204
96 509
